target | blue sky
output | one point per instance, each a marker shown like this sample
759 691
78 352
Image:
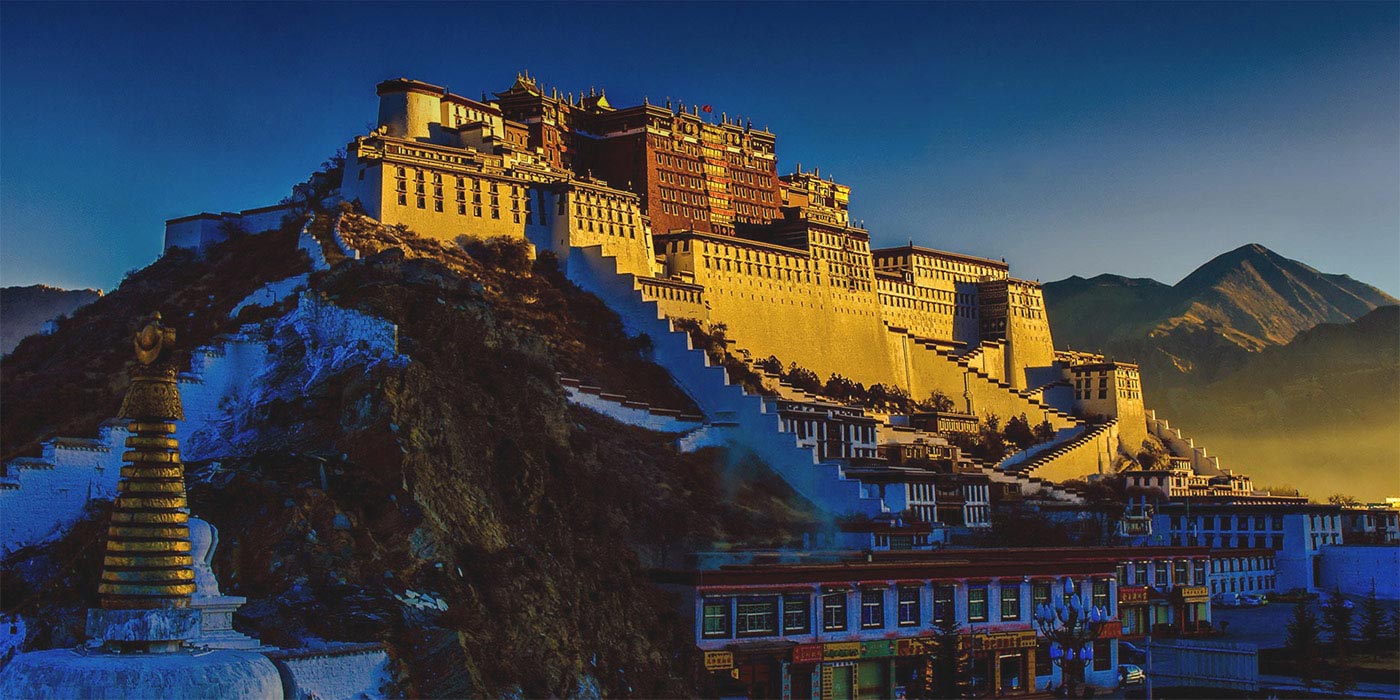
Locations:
1139 139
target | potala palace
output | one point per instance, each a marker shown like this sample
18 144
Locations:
677 218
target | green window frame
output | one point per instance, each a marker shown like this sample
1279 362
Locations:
715 618
1010 601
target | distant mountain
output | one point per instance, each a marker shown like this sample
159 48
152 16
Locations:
1321 413
1206 325
25 310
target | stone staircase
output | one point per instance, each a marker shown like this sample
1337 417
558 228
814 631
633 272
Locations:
981 382
1182 446
735 418
1085 438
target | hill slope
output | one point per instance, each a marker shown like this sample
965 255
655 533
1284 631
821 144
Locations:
461 473
25 310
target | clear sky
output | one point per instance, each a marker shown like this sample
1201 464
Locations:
1139 139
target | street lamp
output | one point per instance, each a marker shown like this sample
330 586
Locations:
1071 628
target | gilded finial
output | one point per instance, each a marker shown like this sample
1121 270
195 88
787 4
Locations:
153 338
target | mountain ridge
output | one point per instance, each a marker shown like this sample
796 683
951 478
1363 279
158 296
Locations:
25 310
1238 302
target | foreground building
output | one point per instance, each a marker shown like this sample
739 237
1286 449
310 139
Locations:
866 626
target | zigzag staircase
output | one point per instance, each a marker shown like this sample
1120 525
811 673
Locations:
743 419
1032 406
1031 464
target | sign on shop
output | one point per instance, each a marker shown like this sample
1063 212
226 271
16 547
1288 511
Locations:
718 660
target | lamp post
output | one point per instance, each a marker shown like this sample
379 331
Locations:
1071 626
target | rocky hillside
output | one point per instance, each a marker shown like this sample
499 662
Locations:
460 476
1207 324
25 310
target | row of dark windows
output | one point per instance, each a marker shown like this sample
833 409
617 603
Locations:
759 615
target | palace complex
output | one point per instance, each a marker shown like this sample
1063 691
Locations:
677 218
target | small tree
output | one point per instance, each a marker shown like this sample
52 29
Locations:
939 401
1372 621
1341 499
949 661
1044 431
1304 642
1336 620
1018 432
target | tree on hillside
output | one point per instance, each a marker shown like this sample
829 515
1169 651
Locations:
1018 432
803 379
1341 499
939 401
1336 620
1304 643
1152 457
772 365
1372 621
991 441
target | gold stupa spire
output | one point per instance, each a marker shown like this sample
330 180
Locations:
148 562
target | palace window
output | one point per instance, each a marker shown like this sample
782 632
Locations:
755 617
872 608
422 203
403 200
797 613
834 612
908 605
977 604
1010 601
715 618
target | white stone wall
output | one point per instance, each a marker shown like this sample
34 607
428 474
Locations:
640 417
334 674
41 497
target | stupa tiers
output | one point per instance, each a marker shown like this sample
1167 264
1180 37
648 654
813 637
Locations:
145 618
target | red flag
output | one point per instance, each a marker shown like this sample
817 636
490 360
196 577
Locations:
707 109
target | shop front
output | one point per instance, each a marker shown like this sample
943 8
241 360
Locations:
844 670
1002 663
1192 608
1134 610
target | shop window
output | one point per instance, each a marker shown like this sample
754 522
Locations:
834 612
797 613
1010 601
872 608
1161 574
1043 665
1179 572
756 617
716 618
977 604
942 604
1198 572
1040 595
1100 599
908 606
1103 654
